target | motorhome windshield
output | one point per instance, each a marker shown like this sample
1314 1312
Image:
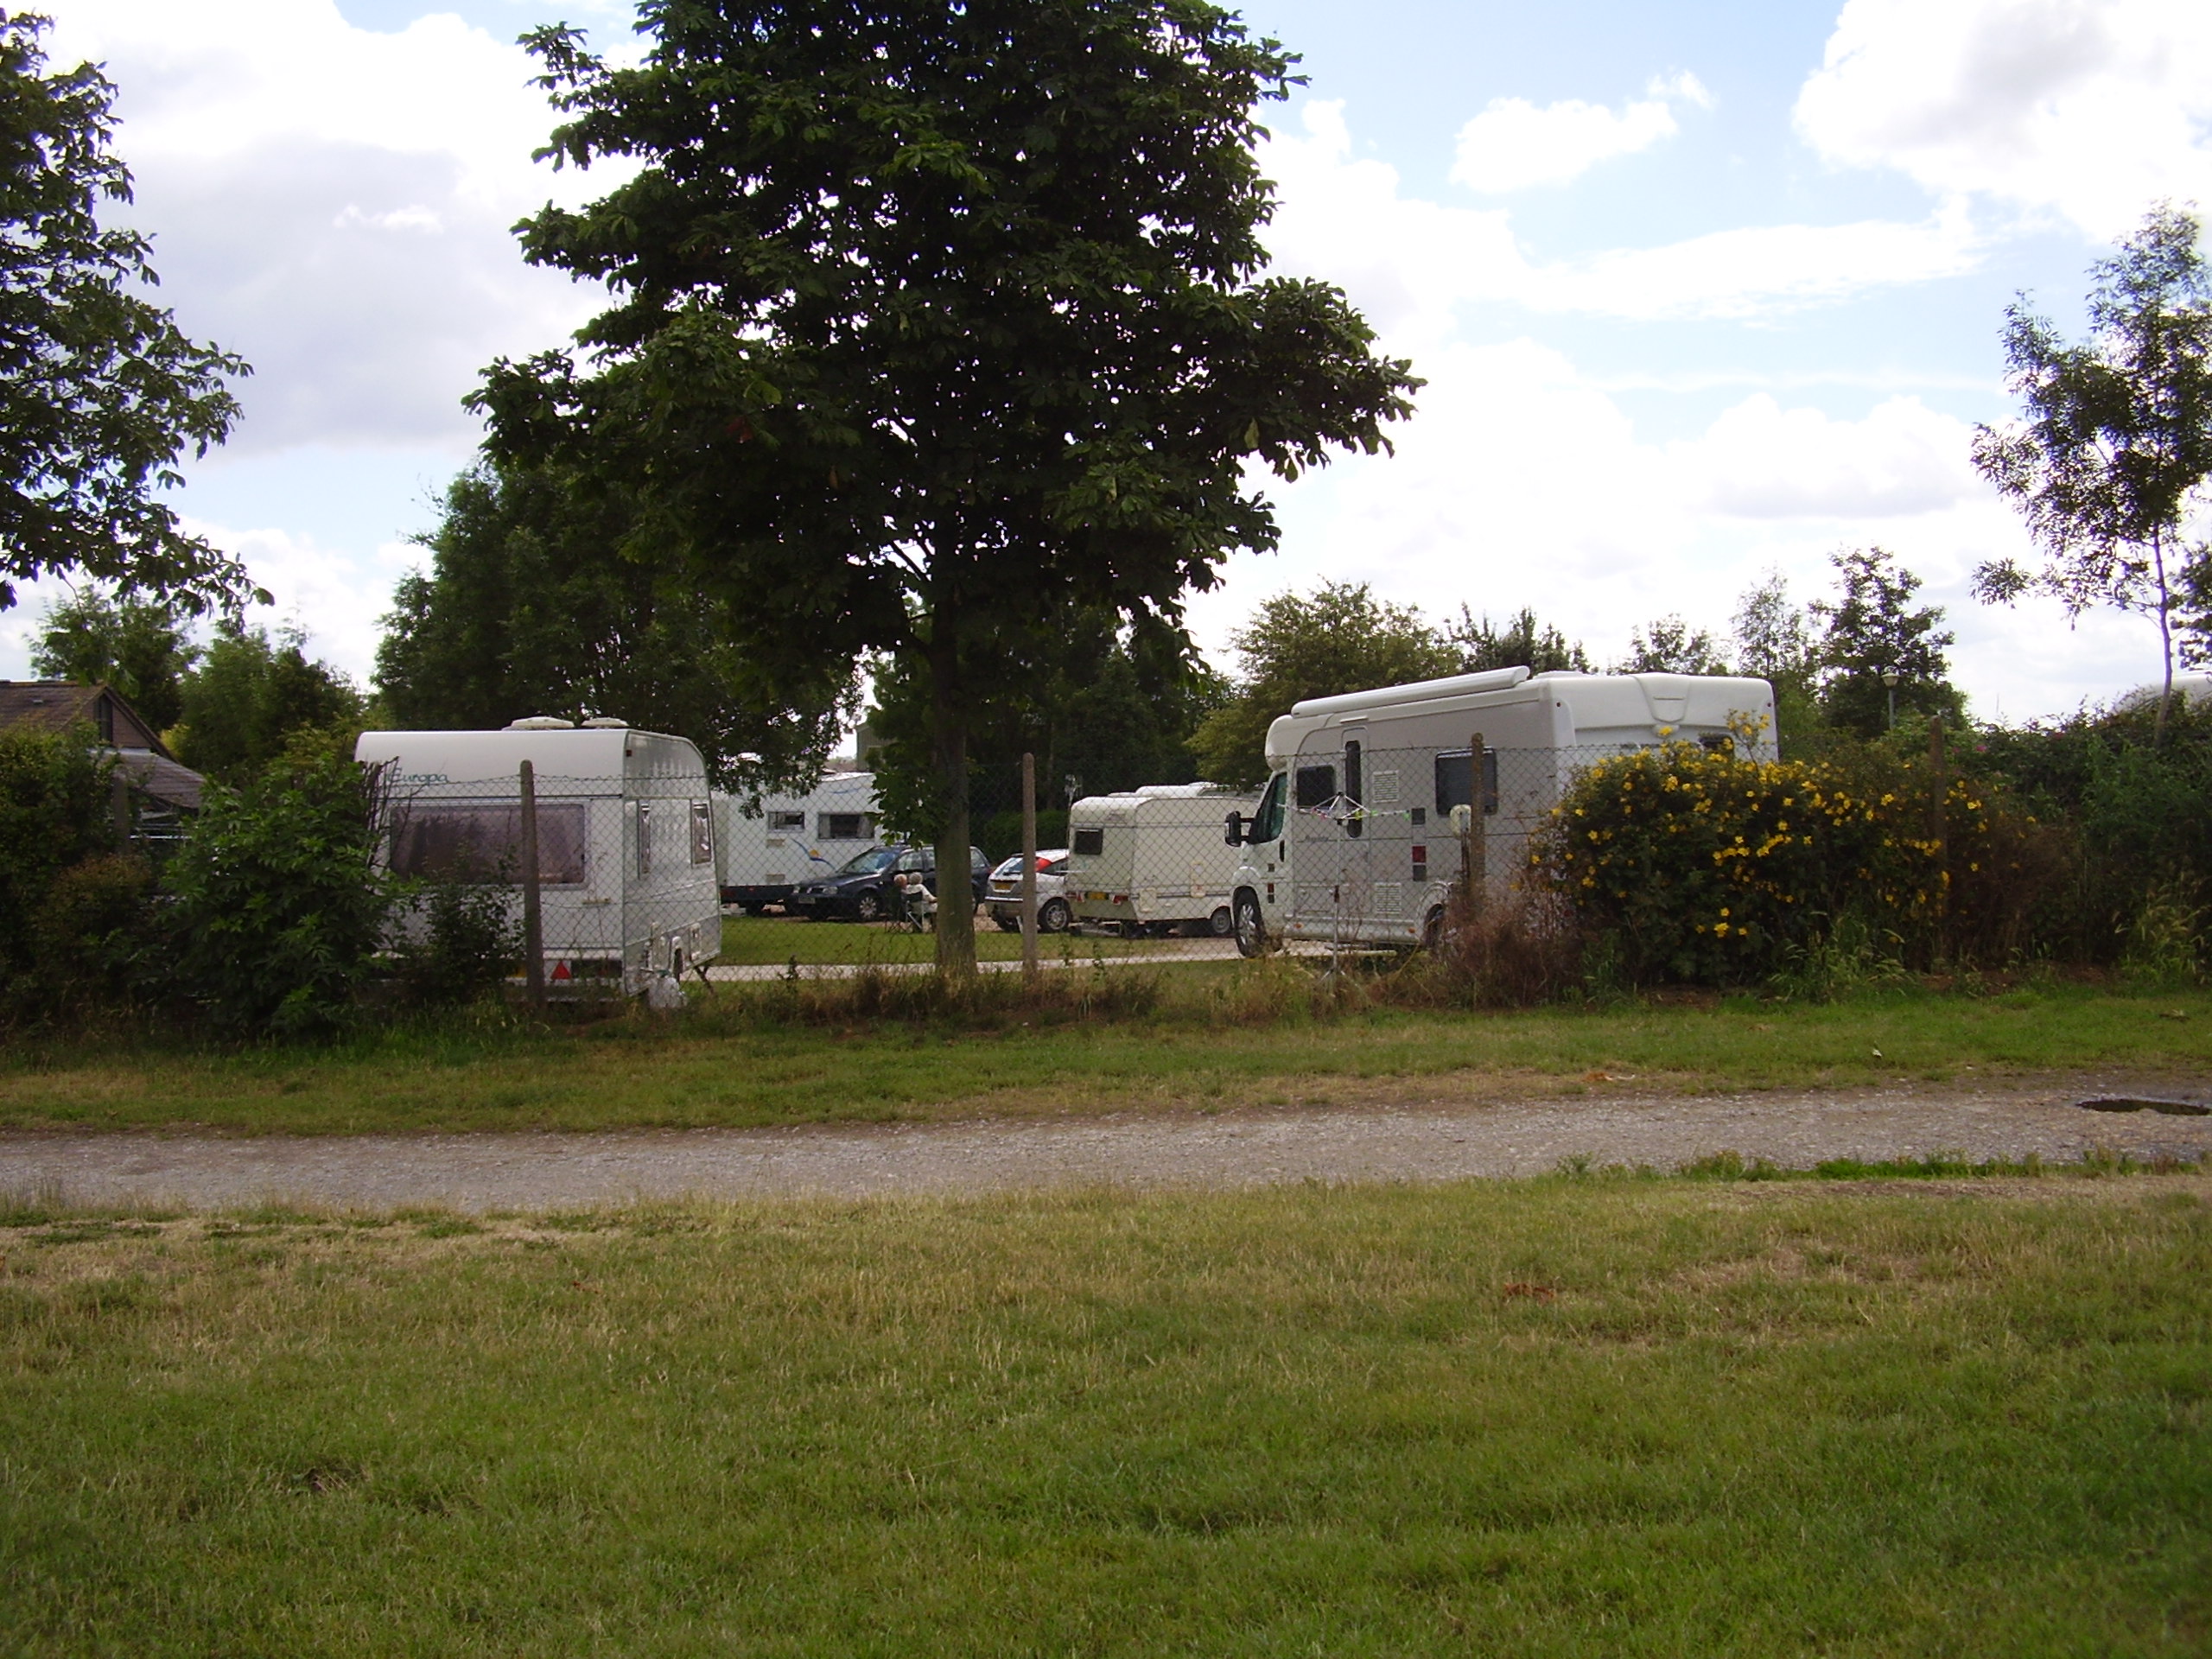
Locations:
867 863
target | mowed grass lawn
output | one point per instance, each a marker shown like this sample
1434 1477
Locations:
731 1061
1607 1416
757 941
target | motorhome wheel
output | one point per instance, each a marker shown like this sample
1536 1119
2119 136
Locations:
1251 932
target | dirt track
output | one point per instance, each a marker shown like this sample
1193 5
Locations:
1410 1143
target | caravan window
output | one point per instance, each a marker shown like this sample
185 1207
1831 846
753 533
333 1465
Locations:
1317 786
644 838
1088 844
1452 766
787 821
1355 785
483 842
844 826
703 833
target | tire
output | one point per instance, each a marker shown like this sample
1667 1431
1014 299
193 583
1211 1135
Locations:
1220 923
1052 916
1251 930
868 907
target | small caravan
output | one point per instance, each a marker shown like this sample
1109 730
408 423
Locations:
1152 859
762 857
1353 840
625 845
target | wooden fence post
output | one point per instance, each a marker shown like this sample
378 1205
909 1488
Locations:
533 924
1939 831
1476 846
1029 866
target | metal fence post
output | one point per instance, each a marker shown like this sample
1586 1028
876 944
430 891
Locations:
1028 866
533 927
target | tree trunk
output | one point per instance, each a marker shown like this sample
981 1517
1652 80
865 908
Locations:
2165 638
955 893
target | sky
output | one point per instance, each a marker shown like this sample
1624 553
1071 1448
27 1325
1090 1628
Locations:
1700 291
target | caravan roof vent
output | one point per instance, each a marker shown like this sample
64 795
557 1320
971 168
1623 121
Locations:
540 723
606 723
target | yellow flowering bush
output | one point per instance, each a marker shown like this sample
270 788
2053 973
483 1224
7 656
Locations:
1701 865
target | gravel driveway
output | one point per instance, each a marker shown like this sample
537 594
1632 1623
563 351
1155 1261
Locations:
1376 1142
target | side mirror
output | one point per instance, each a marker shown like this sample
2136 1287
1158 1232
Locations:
1234 835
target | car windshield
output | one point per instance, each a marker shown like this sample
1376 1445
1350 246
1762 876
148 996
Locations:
867 863
1009 870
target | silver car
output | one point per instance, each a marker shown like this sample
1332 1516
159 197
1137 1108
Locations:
1004 896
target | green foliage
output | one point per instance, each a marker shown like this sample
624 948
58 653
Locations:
1702 866
1339 638
2118 436
252 698
1872 627
57 820
137 645
1774 642
530 608
279 906
100 393
936 326
1520 642
460 941
1670 646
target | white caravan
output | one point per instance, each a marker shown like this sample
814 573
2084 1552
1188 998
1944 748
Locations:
1152 859
625 845
1353 841
762 857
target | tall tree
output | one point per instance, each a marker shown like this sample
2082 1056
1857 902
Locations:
529 608
2118 436
1872 629
1668 645
252 695
1339 638
100 392
1774 643
934 321
138 645
1520 642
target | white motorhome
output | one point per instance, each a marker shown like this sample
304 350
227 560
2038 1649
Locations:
1353 842
1152 860
625 845
762 857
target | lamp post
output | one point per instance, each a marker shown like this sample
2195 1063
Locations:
1890 677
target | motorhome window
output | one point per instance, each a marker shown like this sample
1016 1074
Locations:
644 838
1088 844
843 826
1354 785
484 842
1317 786
788 821
1451 769
1267 822
703 833
1718 743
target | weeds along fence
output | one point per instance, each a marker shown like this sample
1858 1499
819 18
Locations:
624 891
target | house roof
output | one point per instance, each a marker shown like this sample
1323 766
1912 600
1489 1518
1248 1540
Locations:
61 705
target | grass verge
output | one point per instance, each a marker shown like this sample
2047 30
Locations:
757 941
1181 1039
1560 1416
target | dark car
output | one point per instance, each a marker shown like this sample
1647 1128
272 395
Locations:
861 890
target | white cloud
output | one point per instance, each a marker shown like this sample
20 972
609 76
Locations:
335 204
1514 144
1409 264
2089 109
1761 461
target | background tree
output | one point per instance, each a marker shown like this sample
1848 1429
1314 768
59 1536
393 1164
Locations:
2118 434
1340 639
529 608
251 697
1872 627
100 392
2193 608
1521 642
1774 643
936 324
138 645
1668 645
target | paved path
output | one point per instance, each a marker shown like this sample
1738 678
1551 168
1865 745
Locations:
1242 1148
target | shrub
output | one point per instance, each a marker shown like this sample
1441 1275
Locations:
280 906
463 942
1515 950
1700 865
